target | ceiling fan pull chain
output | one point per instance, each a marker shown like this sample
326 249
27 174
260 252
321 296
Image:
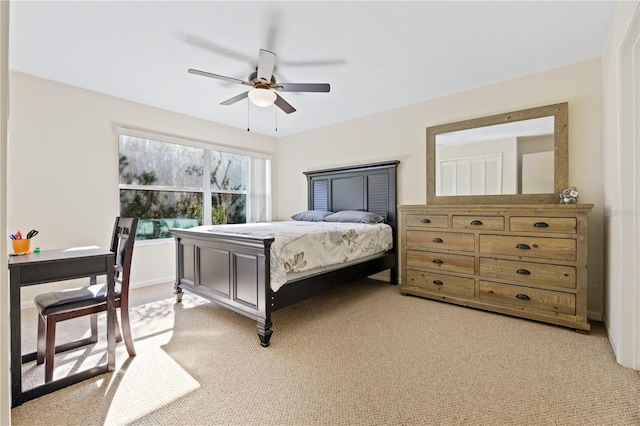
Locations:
248 126
276 110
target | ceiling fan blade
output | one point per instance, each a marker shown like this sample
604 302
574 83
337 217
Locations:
304 87
235 99
284 105
211 46
266 63
219 77
319 62
272 32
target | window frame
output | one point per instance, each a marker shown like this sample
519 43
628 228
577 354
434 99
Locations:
206 190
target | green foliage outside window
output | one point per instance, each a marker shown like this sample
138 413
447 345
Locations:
150 169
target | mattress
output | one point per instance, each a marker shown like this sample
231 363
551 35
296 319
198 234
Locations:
301 246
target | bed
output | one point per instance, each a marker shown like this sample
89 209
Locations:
232 266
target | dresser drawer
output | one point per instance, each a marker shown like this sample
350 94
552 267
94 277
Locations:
441 284
566 225
528 272
520 296
440 240
427 220
538 247
441 262
495 223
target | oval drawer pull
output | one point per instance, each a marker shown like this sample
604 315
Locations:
523 272
438 282
540 225
476 222
522 297
523 247
438 261
425 221
437 240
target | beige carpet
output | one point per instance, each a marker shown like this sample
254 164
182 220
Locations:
360 355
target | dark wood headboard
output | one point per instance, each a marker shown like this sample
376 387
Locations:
368 187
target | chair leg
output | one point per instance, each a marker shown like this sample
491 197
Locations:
94 327
118 333
42 345
50 350
94 330
126 329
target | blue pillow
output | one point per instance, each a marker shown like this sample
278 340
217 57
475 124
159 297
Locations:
311 215
354 216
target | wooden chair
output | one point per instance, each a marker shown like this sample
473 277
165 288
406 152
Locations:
61 305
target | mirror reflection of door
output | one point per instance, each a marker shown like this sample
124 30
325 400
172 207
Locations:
509 158
472 175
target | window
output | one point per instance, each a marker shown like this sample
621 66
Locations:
170 184
228 187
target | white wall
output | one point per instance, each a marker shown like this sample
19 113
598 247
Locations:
622 283
537 172
5 349
400 134
63 166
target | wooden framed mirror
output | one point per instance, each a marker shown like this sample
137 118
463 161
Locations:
516 157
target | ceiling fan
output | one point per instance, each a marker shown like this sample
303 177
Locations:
264 85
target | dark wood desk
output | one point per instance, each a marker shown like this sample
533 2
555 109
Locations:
49 266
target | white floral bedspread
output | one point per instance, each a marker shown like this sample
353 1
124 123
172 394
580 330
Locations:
301 246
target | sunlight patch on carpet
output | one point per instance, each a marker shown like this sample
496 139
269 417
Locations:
152 381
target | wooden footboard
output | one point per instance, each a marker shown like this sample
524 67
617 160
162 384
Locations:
234 272
229 270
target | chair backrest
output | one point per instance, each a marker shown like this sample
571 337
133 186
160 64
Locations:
122 242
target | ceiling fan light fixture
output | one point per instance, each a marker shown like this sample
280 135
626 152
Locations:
262 97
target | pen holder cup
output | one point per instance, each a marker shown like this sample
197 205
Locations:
21 246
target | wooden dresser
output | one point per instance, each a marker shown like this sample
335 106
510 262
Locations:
526 260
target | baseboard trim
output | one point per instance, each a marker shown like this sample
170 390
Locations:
594 316
381 276
155 281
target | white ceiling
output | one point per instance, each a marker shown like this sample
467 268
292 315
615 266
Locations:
376 55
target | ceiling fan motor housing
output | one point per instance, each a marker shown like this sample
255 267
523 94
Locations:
260 83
